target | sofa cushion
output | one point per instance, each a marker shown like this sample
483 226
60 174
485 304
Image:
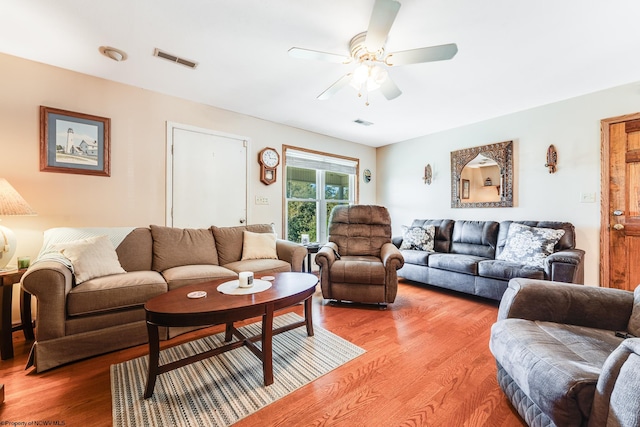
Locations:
183 275
91 257
361 270
505 270
634 321
259 266
174 247
418 238
477 238
529 245
135 252
467 264
229 240
555 365
258 246
108 293
416 257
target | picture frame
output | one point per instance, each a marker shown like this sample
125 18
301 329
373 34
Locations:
465 188
72 142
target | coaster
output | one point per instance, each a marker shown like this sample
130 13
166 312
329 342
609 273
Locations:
197 294
231 287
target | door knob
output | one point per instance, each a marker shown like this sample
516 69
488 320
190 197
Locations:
242 220
618 212
618 227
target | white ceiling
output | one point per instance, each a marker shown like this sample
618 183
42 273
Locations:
512 55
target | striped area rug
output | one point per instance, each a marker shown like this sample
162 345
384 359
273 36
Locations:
226 388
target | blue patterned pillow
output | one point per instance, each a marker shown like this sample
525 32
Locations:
418 238
529 245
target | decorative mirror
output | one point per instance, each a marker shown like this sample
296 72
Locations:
487 172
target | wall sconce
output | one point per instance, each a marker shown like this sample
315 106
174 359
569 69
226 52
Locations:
428 175
552 159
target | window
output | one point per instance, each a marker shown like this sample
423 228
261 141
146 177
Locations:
315 183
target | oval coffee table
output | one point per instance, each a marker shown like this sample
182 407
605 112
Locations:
175 309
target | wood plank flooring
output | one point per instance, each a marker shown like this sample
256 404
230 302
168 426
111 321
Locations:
427 364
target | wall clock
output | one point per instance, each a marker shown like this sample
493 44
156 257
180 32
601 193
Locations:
269 160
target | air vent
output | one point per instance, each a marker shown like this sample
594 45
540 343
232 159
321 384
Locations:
169 57
362 122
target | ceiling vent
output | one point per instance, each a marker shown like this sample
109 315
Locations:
169 57
362 122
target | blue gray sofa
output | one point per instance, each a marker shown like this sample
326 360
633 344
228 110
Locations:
469 256
567 355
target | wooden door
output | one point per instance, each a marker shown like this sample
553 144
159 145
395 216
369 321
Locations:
620 210
206 179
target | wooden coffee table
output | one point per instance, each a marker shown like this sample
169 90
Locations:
175 309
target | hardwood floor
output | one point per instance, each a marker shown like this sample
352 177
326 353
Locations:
427 364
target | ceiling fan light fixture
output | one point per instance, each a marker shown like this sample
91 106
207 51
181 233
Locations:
368 76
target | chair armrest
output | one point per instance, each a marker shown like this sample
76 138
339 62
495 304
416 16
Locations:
49 282
565 266
326 255
291 252
391 256
589 306
617 397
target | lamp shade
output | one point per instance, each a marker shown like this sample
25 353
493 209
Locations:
11 203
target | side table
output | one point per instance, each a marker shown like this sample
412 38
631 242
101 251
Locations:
312 248
9 278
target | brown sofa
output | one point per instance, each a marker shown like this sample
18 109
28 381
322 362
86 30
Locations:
106 313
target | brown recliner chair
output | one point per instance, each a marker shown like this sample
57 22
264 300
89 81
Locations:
359 262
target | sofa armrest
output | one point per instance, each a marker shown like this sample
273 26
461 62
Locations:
617 397
565 266
397 241
291 252
589 306
391 256
49 282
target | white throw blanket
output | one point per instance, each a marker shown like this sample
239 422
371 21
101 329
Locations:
53 236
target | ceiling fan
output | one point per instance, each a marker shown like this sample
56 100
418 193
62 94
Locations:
367 50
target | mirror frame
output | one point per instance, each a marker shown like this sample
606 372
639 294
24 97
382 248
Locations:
502 154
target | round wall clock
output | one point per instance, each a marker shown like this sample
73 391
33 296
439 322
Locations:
269 160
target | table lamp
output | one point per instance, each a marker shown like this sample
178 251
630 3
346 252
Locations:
11 203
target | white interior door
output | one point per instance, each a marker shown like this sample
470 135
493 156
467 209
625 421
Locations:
207 178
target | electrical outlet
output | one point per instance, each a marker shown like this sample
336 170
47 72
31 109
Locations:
262 200
587 197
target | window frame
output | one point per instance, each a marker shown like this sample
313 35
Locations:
321 201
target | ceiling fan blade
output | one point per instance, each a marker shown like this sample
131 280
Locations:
389 89
334 88
300 53
382 17
424 54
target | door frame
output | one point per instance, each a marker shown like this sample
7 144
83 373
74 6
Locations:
605 176
170 126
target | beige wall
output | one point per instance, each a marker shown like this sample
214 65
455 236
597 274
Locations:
573 126
134 194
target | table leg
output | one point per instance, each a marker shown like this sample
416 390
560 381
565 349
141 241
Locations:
267 345
309 262
308 317
6 343
25 315
228 332
154 359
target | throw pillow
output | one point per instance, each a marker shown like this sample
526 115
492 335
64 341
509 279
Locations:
92 257
259 246
418 238
529 245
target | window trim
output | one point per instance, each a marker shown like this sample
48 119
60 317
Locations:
356 183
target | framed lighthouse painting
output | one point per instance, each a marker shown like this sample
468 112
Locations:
74 142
